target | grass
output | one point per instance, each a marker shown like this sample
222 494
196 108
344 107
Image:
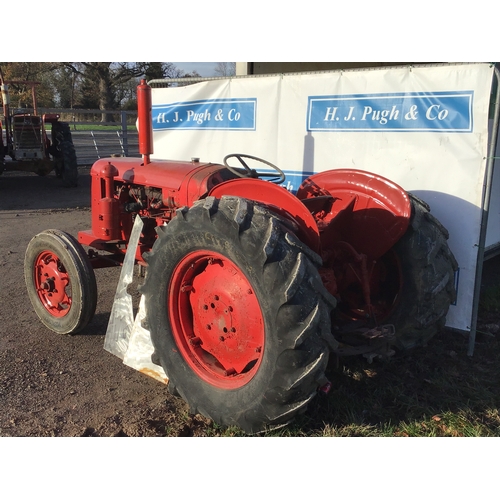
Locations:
433 391
437 391
97 127
490 300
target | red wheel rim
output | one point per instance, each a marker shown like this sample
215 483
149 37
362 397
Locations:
216 319
52 284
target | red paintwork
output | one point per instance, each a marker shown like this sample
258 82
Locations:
105 220
51 282
144 120
279 200
360 216
50 117
351 218
368 211
181 184
216 319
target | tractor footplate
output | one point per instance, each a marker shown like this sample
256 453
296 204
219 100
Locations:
368 342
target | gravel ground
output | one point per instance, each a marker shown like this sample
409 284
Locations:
58 385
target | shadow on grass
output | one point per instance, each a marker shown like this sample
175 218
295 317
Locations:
432 391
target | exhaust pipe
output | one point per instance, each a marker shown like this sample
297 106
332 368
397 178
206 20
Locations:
145 120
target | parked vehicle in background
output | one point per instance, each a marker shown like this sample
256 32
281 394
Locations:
25 144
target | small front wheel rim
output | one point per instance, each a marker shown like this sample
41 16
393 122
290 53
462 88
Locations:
52 284
216 319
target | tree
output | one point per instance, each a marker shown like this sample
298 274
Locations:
161 71
126 94
225 69
21 96
65 81
102 80
90 85
108 85
193 74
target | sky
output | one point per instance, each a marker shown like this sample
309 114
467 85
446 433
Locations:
203 68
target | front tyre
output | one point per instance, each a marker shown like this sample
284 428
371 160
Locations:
60 281
238 315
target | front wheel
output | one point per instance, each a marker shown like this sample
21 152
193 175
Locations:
60 281
238 315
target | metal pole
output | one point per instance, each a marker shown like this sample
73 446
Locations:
95 143
124 133
484 216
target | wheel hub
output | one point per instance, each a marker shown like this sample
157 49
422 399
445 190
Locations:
52 284
216 317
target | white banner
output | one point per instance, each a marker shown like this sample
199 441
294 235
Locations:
425 128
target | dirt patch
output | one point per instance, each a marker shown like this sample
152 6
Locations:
55 385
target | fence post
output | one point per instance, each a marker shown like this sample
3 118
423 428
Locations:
124 132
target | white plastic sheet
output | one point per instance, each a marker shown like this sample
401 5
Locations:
140 348
126 336
121 319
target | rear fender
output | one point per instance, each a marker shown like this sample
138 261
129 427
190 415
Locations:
279 200
366 210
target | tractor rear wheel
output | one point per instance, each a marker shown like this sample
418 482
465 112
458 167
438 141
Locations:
412 286
60 281
63 150
427 268
69 172
239 318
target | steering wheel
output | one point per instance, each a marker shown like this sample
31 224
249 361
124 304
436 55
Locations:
276 178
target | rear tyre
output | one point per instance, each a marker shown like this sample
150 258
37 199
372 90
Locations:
2 158
427 268
63 151
239 318
69 172
60 281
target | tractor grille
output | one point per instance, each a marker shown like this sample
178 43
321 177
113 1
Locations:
28 137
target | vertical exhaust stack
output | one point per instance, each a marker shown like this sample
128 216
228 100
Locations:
145 120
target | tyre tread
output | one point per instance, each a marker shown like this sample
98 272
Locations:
66 247
298 326
431 264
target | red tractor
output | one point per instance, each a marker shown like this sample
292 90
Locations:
27 142
249 288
